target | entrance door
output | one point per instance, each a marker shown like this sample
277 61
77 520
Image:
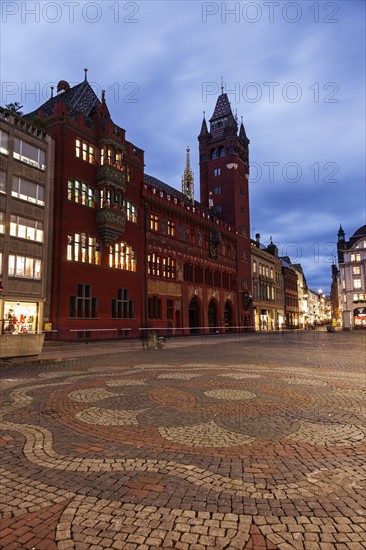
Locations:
228 317
194 316
212 317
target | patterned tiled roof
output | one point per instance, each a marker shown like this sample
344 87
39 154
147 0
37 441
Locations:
81 97
222 109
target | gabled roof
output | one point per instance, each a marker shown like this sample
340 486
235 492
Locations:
81 97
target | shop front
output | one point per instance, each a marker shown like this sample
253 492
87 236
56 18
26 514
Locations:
359 317
20 317
280 318
20 335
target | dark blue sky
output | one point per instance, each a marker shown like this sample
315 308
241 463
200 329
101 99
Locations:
295 71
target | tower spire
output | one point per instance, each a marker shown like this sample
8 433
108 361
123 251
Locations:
187 178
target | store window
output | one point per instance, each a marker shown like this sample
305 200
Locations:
20 317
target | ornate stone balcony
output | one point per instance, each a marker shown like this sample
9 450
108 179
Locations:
107 174
111 224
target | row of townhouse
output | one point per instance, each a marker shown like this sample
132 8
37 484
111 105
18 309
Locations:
281 296
348 293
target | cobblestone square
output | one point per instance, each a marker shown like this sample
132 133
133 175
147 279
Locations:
247 441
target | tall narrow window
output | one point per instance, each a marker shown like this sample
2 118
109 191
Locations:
2 182
122 307
154 222
83 305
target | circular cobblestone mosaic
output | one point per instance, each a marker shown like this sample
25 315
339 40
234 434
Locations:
184 456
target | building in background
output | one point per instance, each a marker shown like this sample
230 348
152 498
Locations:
302 292
291 296
351 279
268 292
26 214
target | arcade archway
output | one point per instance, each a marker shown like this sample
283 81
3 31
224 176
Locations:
194 315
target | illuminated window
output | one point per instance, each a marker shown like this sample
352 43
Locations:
25 152
4 142
24 267
154 222
24 228
2 182
171 228
81 193
254 267
85 151
356 270
81 247
357 283
131 211
2 222
28 191
122 256
356 257
153 265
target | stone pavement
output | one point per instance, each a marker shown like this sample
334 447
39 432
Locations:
248 442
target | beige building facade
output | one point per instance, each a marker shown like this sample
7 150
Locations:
26 199
268 294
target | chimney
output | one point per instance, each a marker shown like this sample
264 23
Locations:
258 237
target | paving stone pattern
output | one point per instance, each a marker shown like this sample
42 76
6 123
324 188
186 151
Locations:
237 443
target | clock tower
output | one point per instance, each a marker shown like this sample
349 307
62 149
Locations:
224 173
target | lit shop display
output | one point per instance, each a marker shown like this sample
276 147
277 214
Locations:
20 317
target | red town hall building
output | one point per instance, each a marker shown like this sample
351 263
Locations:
131 253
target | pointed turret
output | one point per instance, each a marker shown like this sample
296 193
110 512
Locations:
204 129
242 132
341 234
223 121
341 244
187 178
